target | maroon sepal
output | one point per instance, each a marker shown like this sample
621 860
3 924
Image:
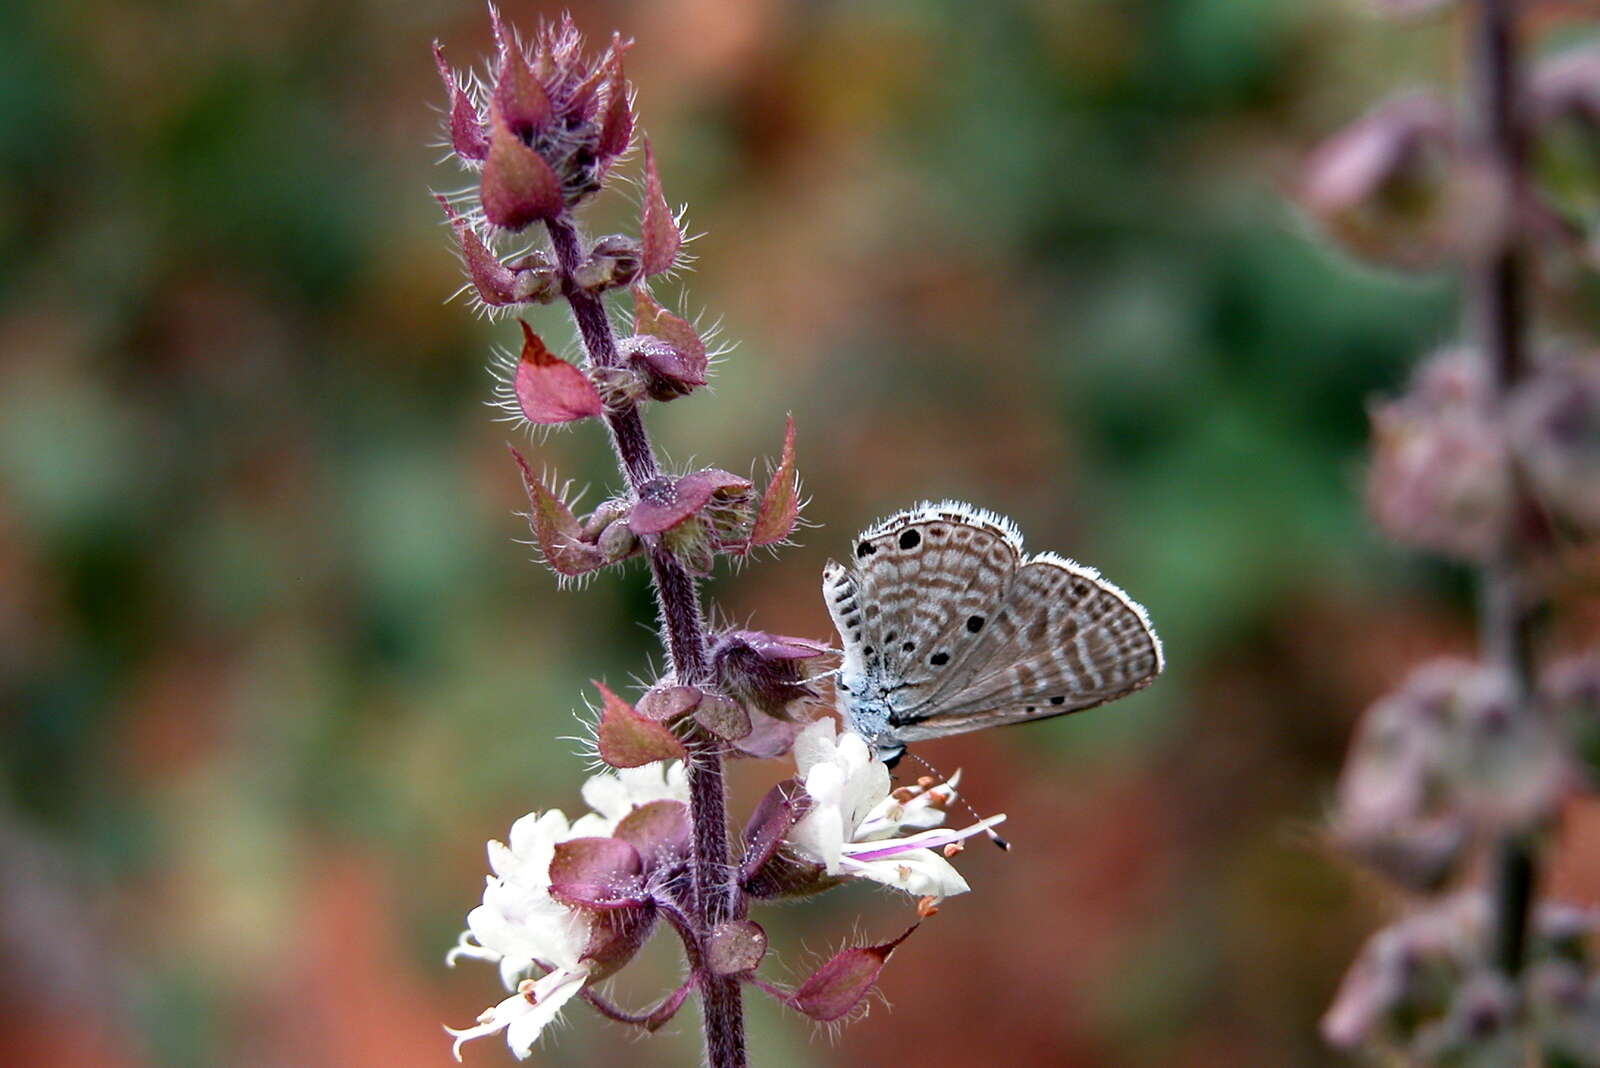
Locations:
467 136
659 831
659 235
519 188
521 100
597 873
629 740
837 988
494 281
556 529
549 389
664 502
735 947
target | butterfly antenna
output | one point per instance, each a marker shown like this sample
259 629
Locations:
937 774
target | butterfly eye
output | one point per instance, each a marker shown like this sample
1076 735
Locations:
910 539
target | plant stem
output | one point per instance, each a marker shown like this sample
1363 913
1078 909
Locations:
684 637
1506 610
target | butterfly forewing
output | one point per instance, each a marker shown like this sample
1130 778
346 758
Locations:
926 577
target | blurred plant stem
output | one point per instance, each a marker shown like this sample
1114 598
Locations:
685 639
1495 296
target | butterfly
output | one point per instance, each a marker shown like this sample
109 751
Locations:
947 627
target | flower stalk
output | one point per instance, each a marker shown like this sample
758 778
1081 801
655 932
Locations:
1495 290
684 637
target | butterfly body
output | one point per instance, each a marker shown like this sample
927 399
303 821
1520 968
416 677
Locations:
948 627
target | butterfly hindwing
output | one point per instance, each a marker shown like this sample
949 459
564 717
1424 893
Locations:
1063 640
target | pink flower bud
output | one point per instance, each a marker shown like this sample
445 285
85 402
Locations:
735 947
625 739
660 237
842 984
666 372
613 262
467 136
651 319
549 389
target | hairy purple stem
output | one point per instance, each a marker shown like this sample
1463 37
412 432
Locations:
1506 609
684 636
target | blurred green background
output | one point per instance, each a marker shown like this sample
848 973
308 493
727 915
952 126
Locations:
273 666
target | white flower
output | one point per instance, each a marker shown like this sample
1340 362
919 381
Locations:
521 928
856 825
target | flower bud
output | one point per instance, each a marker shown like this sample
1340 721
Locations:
764 670
605 514
1440 477
557 121
697 516
613 262
618 542
651 320
664 372
1390 187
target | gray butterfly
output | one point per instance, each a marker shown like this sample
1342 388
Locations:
947 627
